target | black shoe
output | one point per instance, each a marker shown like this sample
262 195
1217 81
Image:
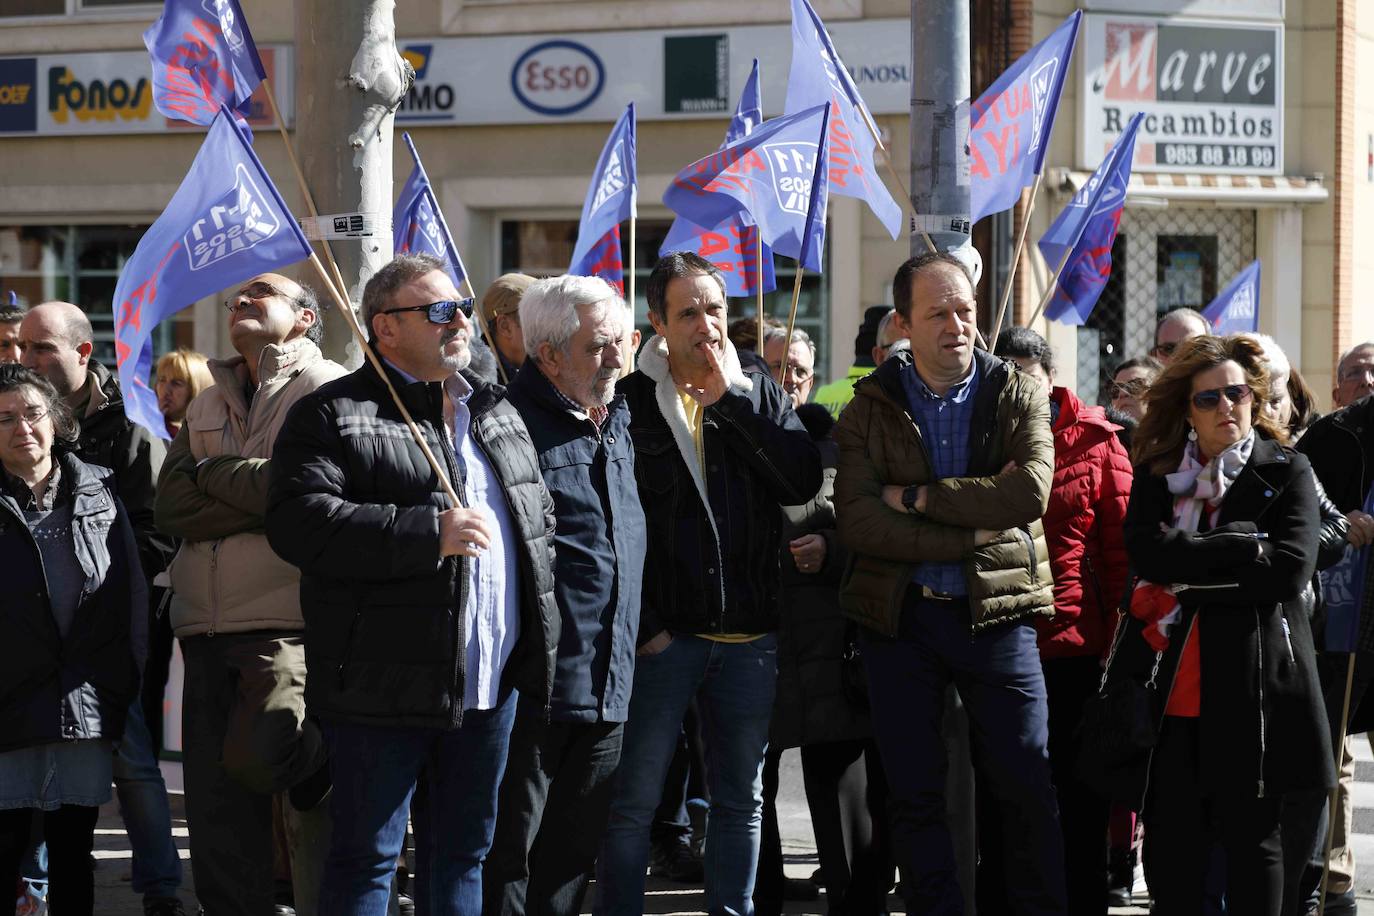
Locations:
676 863
818 878
307 794
162 906
282 909
803 889
1120 877
405 904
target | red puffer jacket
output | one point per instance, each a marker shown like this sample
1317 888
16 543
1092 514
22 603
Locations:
1083 528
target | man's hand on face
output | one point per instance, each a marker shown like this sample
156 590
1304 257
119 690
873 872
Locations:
463 532
715 384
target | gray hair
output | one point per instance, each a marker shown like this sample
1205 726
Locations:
548 309
1340 363
798 336
393 275
308 300
1279 367
883 325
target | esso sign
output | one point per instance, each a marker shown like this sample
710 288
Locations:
558 77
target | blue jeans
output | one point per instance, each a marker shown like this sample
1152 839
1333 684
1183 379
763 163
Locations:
147 814
998 676
733 684
453 776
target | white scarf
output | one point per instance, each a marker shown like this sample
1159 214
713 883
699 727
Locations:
1197 484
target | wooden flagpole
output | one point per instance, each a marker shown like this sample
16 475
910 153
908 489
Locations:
1016 259
1049 290
371 356
1331 806
907 207
791 324
758 281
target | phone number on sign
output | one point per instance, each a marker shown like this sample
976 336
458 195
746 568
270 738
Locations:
1215 155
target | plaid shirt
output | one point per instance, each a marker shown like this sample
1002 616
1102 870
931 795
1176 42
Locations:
945 424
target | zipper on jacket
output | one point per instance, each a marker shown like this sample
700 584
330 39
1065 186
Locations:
214 587
1287 638
460 611
1151 684
1030 550
1259 646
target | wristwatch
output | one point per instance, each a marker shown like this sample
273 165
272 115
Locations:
909 497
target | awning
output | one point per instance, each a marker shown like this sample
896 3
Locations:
1256 190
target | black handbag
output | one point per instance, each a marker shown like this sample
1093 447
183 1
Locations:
1119 728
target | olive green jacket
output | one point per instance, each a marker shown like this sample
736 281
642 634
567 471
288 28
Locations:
880 444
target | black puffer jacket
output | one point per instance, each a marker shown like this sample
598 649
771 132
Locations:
1264 728
54 689
353 503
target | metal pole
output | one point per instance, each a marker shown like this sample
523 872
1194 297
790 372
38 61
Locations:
940 123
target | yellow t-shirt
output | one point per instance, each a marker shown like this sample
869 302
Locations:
693 410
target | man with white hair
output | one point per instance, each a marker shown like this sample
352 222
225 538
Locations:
556 794
801 362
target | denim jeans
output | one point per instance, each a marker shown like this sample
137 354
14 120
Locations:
453 777
147 813
734 685
998 676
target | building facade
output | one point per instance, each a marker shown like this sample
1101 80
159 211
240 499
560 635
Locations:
514 97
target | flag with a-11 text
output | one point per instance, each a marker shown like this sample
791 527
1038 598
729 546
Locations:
226 223
1011 123
733 245
610 201
1235 310
1086 230
778 175
203 57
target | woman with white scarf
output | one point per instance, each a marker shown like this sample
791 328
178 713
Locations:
1222 531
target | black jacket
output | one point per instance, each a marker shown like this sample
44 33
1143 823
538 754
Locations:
713 568
599 546
111 440
1264 727
353 503
54 689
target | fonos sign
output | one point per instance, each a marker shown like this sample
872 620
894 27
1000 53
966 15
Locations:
1212 94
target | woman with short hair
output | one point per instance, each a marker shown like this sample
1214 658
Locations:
181 375
73 626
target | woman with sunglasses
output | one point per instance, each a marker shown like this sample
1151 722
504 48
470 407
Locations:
73 627
1222 531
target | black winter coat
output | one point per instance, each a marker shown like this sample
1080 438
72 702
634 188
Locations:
54 689
353 503
1264 727
713 567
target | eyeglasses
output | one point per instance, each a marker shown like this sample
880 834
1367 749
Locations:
1211 398
1132 389
32 416
438 312
1363 373
256 292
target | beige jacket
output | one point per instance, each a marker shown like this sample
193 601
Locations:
213 494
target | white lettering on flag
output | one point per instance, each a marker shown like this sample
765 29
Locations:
1041 83
240 220
791 167
613 179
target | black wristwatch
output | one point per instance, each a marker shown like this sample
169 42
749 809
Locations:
909 497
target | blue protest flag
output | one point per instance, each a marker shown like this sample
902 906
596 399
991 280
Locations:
611 196
1011 123
771 175
203 57
1235 310
1086 230
732 246
417 224
819 76
226 223
1343 587
603 260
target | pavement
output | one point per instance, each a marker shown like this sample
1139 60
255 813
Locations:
114 897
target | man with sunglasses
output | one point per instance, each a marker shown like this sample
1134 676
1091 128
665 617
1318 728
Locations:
426 622
237 609
1176 327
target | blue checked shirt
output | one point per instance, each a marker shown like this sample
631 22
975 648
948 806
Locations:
945 423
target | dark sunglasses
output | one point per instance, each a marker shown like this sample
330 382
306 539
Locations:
1209 399
439 312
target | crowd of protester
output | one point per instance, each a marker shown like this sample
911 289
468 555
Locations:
559 619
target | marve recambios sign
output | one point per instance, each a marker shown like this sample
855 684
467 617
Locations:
110 93
1212 93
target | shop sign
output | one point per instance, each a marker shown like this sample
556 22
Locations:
107 93
1212 94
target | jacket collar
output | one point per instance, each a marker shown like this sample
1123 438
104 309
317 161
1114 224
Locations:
531 381
103 391
653 362
887 378
426 399
277 362
1073 411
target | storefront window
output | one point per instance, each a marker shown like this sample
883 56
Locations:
543 248
80 264
1185 271
16 8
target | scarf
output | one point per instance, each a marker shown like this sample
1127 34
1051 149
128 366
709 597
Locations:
1197 486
